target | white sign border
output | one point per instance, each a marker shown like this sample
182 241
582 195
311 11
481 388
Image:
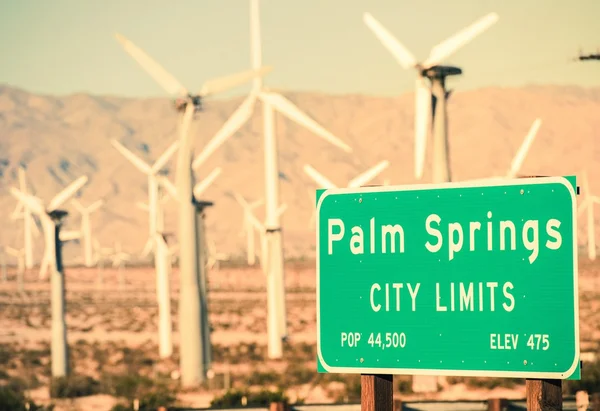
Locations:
440 372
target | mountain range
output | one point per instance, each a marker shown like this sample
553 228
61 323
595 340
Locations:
59 138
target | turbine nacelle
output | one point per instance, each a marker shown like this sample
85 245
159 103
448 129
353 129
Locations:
440 72
428 68
57 215
181 103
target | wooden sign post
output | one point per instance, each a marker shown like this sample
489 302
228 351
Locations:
544 395
376 392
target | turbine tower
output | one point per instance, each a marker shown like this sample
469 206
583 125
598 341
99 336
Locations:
431 100
273 247
191 315
86 228
588 203
51 218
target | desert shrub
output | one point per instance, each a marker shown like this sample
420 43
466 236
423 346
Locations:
18 384
404 385
151 394
298 374
134 359
263 378
14 400
128 386
148 402
74 386
5 354
262 398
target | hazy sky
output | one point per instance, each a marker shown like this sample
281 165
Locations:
67 46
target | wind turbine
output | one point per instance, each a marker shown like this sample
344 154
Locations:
431 101
193 321
100 255
30 228
160 215
153 190
213 256
358 181
51 217
248 231
588 203
259 227
86 228
162 265
163 292
118 259
519 157
273 247
58 200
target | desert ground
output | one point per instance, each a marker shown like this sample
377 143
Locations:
112 336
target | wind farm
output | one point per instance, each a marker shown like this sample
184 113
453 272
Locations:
164 252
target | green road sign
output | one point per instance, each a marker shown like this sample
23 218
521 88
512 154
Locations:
465 279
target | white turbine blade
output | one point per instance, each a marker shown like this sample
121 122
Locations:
33 203
162 160
204 184
135 160
142 206
17 216
255 46
94 206
585 187
69 235
147 248
520 156
258 226
66 193
404 57
318 178
34 227
242 201
252 218
17 212
168 186
156 71
225 83
231 126
452 44
12 251
368 175
281 209
80 208
596 200
288 109
161 240
256 203
422 117
165 198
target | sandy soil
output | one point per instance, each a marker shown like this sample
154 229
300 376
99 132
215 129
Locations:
105 320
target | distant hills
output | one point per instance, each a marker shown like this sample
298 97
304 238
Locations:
60 138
